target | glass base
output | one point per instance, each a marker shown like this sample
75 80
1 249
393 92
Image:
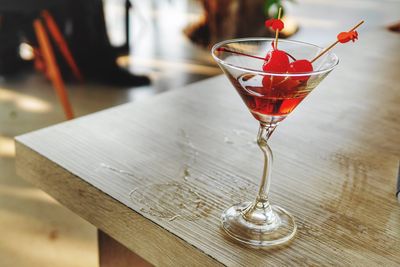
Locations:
258 227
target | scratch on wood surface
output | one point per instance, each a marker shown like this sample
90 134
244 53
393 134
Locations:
174 217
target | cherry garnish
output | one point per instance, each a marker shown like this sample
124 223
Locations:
289 83
300 66
276 61
275 24
344 37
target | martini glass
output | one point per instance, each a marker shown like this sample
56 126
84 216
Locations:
270 97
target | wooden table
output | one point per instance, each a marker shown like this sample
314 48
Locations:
156 175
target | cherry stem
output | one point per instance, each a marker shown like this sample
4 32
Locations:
239 53
277 30
335 43
223 49
289 55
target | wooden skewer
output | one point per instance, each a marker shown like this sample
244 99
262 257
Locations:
335 43
277 31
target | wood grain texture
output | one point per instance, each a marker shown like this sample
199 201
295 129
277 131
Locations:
156 175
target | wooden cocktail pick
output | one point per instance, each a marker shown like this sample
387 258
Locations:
277 25
342 37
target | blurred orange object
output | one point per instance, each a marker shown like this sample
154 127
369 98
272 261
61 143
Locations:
61 43
51 67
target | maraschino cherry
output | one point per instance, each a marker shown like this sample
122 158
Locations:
300 66
275 24
342 37
276 61
297 66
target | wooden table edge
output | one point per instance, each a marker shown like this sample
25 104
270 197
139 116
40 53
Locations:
153 243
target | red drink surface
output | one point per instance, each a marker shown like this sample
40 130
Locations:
271 96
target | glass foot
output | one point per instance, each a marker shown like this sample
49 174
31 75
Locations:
258 226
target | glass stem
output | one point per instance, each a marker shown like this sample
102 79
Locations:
260 211
264 133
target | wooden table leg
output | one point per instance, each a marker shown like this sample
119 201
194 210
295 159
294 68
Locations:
112 253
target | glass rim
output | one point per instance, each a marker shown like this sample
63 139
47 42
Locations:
238 40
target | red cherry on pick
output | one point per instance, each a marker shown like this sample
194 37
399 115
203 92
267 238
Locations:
275 24
276 61
344 37
300 66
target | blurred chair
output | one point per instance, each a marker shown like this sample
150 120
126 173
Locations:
26 14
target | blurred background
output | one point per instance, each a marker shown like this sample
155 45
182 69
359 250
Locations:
105 53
